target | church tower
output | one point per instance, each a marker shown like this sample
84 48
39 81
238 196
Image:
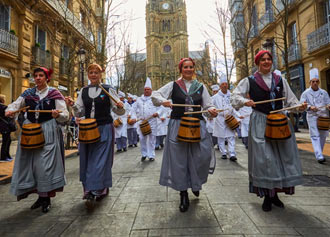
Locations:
166 39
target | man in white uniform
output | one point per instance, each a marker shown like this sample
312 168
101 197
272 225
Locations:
210 120
318 105
245 113
162 122
121 131
221 130
144 109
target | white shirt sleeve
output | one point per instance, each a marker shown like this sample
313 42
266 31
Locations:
238 97
206 99
16 105
162 94
60 105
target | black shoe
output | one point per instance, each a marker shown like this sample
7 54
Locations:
143 158
45 206
224 157
184 201
151 159
125 149
118 150
321 161
90 198
130 145
135 145
161 145
196 193
157 148
37 204
277 202
267 205
233 158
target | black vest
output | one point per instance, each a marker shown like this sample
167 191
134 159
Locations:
44 104
259 94
102 106
178 97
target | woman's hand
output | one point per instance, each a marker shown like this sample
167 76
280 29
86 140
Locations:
120 105
304 106
69 101
167 104
155 115
213 112
10 114
250 103
55 113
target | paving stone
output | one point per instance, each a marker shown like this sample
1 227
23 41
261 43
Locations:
230 194
139 233
313 232
186 232
277 231
143 194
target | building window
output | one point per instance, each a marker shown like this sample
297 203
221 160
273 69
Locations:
268 5
65 52
40 37
327 11
167 48
4 17
293 34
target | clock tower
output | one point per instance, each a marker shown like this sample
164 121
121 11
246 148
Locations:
166 39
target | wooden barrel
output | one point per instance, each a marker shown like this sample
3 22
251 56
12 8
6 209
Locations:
323 123
32 136
232 122
189 130
117 123
277 127
145 127
130 121
88 131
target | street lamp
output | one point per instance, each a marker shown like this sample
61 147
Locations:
82 56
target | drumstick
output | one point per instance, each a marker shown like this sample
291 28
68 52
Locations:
266 101
322 106
203 111
22 109
44 111
108 94
288 108
185 105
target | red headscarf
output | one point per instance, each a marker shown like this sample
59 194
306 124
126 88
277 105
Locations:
184 60
48 73
260 54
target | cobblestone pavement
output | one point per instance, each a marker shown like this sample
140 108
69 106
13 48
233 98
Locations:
139 206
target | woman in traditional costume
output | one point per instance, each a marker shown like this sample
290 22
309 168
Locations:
96 159
186 165
274 165
40 170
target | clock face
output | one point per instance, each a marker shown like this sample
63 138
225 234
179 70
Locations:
166 6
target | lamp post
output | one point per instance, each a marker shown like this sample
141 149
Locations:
81 56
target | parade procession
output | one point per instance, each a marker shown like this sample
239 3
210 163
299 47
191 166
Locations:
170 142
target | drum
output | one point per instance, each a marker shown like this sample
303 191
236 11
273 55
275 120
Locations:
232 122
117 123
189 130
130 121
145 127
88 131
323 123
277 127
32 136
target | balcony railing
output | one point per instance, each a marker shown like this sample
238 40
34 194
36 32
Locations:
65 12
318 38
64 67
293 53
280 5
41 57
266 19
8 42
254 31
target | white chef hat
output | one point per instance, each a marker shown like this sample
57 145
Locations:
148 83
223 79
130 95
121 94
135 97
215 87
313 74
278 72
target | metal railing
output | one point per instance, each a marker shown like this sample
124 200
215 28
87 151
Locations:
266 19
8 42
64 67
318 38
41 57
66 13
254 31
293 53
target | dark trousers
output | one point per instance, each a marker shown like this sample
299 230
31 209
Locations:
6 141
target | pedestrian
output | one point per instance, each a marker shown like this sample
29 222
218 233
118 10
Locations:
121 128
40 170
274 165
144 111
185 164
131 125
221 129
96 159
209 120
7 126
318 104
